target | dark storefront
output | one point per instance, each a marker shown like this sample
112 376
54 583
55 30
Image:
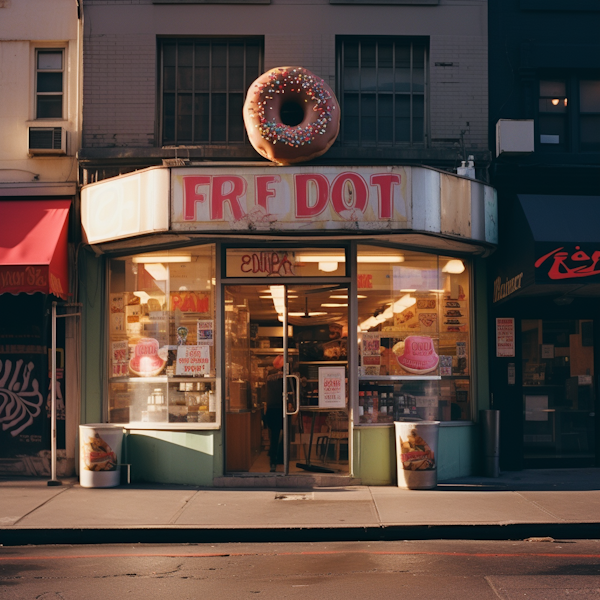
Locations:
546 285
33 275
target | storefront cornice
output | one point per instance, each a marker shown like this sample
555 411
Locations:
441 157
355 202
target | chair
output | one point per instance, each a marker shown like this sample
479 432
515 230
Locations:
337 421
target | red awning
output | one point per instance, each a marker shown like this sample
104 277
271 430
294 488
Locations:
33 247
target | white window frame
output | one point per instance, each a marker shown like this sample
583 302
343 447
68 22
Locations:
49 48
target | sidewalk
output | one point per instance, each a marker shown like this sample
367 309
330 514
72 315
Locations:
536 503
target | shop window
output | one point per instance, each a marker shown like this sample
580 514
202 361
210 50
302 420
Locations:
161 339
383 91
414 336
203 86
49 82
569 114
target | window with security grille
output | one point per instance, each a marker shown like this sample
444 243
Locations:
203 87
49 81
383 91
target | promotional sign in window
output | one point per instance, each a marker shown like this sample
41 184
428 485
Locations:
193 360
505 337
332 387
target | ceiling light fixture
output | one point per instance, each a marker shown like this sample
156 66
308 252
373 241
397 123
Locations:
454 266
161 259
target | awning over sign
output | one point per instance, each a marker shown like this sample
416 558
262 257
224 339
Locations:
548 244
33 247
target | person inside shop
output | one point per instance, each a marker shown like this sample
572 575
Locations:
274 417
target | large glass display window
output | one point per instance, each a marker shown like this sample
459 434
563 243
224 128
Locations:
161 339
414 336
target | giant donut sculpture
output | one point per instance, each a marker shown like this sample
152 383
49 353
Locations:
276 92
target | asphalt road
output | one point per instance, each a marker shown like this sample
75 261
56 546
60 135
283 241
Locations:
533 570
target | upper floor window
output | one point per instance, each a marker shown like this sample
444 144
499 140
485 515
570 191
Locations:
383 90
569 114
49 81
203 86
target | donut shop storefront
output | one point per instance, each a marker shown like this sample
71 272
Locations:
266 321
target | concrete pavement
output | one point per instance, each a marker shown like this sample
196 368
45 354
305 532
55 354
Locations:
537 503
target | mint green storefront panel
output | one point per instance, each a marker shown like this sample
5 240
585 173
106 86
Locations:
375 453
181 457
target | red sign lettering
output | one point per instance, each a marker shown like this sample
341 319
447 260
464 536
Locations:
559 269
356 196
303 208
263 191
269 263
385 182
228 188
191 195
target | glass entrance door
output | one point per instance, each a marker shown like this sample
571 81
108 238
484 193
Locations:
286 401
558 393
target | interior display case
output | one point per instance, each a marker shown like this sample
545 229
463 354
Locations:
161 339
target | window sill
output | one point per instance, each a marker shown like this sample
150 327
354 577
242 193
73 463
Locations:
169 426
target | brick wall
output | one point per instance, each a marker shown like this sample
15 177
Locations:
119 90
459 93
120 65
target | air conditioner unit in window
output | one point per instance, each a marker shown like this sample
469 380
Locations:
514 137
47 140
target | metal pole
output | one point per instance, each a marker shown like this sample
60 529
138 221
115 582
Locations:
53 480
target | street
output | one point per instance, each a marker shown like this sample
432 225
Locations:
538 569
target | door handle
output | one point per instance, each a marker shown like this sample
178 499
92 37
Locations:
296 396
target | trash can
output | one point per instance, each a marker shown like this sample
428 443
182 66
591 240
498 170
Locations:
416 454
100 455
489 421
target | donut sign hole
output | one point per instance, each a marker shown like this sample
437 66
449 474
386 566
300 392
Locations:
292 113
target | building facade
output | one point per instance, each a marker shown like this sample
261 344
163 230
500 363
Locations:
544 123
379 310
40 126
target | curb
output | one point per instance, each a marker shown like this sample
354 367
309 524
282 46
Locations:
194 535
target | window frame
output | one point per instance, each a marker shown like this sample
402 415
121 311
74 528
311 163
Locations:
411 41
572 115
36 70
162 42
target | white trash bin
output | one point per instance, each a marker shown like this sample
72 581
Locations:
416 454
100 455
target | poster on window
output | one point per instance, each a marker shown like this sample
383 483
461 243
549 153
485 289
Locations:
332 387
193 360
505 337
205 333
120 358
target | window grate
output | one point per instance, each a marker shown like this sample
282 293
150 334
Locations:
382 91
203 86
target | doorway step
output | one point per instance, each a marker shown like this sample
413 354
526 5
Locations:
282 481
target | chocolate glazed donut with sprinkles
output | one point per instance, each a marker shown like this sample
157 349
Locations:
291 115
